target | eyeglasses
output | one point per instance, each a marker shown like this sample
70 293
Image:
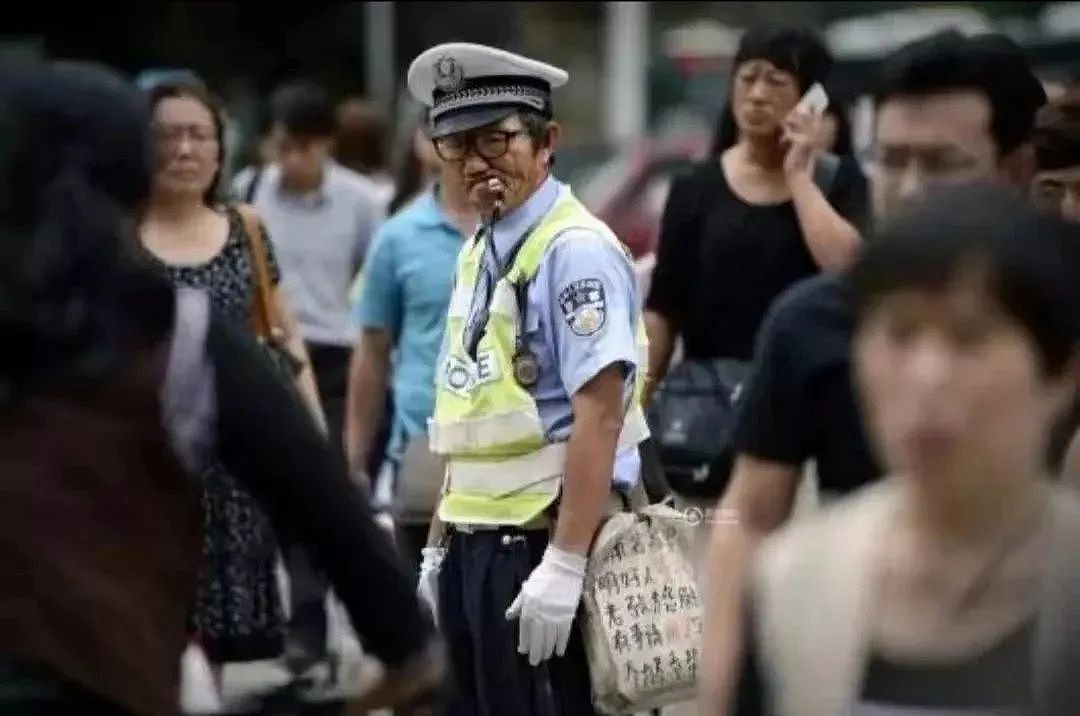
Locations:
890 164
172 135
489 144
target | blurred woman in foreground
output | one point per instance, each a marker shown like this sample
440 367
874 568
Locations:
115 392
950 583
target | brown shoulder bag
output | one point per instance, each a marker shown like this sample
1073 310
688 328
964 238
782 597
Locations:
266 321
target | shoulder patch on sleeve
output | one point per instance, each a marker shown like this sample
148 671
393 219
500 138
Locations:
584 306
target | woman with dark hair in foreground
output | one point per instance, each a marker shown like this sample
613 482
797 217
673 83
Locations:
114 392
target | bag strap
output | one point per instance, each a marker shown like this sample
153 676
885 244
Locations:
253 185
265 321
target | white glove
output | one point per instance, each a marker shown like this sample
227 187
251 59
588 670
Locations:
198 690
427 588
547 604
385 522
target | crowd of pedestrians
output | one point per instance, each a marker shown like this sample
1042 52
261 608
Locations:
417 385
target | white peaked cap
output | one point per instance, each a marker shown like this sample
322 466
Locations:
468 85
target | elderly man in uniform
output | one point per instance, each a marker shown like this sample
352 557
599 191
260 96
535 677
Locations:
537 391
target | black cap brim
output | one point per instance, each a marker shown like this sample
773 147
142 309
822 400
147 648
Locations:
470 118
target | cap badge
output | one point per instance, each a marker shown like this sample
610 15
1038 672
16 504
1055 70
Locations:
449 75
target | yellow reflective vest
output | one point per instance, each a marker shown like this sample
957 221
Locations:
501 469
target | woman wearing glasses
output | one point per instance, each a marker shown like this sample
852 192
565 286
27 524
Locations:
202 244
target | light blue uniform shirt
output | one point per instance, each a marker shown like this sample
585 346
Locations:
408 279
580 269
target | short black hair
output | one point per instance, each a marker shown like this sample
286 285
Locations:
1030 261
304 109
535 125
1057 133
990 64
797 50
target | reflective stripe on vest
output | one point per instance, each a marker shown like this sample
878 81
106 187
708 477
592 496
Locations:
501 468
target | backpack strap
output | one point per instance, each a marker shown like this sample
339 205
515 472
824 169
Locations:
253 184
188 398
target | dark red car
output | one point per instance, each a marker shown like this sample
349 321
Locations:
628 190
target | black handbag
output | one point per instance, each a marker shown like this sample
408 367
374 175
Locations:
692 414
691 417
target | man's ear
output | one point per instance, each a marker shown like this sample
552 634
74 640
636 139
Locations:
552 133
1018 166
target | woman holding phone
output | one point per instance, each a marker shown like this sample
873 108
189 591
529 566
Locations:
759 214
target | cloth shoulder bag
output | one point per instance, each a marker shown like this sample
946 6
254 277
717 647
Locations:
642 614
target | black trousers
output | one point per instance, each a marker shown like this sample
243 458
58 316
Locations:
330 364
411 540
480 577
307 586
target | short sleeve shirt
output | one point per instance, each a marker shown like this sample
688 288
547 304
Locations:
799 401
408 279
581 274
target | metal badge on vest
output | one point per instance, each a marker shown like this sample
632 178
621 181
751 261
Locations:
526 364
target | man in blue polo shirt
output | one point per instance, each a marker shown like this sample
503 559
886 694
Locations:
401 315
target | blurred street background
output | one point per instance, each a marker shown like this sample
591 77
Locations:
647 79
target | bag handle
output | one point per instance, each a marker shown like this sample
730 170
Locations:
265 319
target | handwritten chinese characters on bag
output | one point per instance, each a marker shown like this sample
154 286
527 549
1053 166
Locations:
643 612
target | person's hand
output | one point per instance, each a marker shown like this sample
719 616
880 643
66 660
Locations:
386 523
427 588
547 604
411 686
799 132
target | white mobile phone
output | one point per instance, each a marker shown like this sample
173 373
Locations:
815 101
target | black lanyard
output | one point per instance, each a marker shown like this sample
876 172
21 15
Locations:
520 286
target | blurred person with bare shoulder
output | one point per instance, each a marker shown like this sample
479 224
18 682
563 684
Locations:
950 109
201 243
766 209
401 313
951 583
118 391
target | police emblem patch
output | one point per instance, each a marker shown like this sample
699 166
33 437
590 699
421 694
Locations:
584 306
449 75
